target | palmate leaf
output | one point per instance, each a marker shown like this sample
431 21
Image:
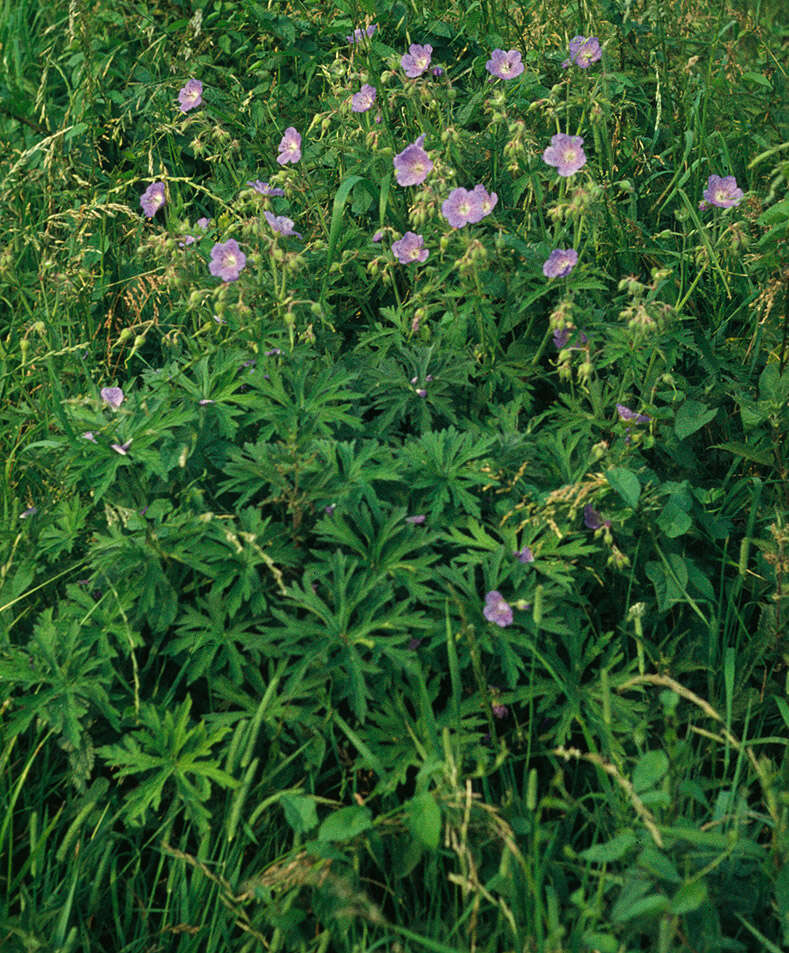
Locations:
386 543
352 625
446 465
169 749
60 676
300 400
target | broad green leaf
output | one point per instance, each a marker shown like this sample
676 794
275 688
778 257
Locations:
689 897
626 484
604 942
774 385
650 769
656 862
300 812
613 849
691 416
673 520
345 824
424 819
644 907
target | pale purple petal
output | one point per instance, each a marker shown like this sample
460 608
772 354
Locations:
505 65
113 396
565 153
560 263
412 164
364 99
462 207
410 248
152 199
289 147
723 192
191 95
281 224
497 609
584 51
263 188
227 260
416 60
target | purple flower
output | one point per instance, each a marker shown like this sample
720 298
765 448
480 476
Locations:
30 511
583 52
418 519
626 414
273 352
364 99
593 520
416 60
227 260
487 200
412 164
497 609
499 711
203 223
560 263
152 199
289 147
437 71
263 188
188 240
191 96
524 555
281 224
722 192
505 65
563 335
112 396
378 236
566 153
121 448
410 248
358 34
89 435
462 207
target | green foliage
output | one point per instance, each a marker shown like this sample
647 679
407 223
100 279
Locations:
260 684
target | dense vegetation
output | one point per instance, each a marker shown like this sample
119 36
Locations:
394 545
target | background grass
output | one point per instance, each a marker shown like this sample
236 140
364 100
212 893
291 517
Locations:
248 702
